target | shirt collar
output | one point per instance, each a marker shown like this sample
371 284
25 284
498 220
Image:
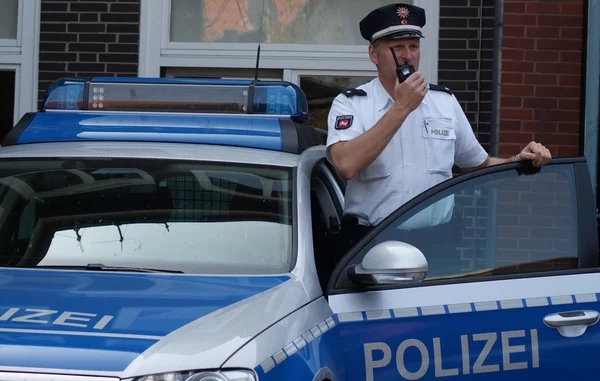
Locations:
383 98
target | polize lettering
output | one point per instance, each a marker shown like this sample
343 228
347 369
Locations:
440 132
58 318
379 355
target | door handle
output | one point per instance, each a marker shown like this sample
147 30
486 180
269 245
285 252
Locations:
572 323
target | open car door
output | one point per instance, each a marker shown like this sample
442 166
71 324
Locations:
492 274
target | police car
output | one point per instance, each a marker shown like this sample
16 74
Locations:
189 230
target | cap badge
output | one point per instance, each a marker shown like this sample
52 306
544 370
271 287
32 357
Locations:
403 12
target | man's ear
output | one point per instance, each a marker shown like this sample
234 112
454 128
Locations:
373 54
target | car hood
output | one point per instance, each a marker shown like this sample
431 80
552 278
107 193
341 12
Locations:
126 324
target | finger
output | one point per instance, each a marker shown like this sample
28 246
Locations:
547 156
526 156
418 79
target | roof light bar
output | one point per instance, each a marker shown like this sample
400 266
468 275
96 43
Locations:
178 95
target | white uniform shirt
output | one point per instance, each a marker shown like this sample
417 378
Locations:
434 137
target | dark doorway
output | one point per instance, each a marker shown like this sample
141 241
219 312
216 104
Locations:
7 107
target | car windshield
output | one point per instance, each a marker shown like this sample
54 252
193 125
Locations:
202 218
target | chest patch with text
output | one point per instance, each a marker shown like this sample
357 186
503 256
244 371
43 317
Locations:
343 122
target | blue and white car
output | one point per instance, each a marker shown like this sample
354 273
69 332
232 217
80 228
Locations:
189 230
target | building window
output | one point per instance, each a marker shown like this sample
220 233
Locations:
8 20
296 36
311 22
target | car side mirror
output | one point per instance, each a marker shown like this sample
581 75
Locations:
390 262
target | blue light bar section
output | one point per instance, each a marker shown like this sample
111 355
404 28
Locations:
65 94
256 132
193 95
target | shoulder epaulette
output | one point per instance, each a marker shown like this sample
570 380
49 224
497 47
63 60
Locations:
352 92
439 88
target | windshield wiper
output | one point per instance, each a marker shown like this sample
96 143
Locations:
101 267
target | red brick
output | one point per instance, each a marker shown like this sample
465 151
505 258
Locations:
512 54
512 78
569 104
558 139
569 127
571 56
537 126
518 43
566 151
519 67
557 68
517 137
545 32
540 79
560 45
519 90
544 55
511 102
575 33
543 8
516 114
514 7
557 91
555 115
569 80
519 19
572 9
511 125
509 148
514 31
540 103
558 20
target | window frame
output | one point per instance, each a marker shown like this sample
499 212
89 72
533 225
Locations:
588 255
157 52
13 219
22 56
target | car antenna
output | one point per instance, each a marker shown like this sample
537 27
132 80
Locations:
250 106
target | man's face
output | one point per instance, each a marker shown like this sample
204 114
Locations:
405 49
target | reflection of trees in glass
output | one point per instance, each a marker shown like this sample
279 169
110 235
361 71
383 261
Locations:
284 21
292 21
320 92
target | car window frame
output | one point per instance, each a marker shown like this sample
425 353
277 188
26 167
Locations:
587 227
292 171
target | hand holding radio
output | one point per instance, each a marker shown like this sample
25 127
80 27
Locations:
411 87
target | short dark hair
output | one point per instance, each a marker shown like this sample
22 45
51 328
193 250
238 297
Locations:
376 44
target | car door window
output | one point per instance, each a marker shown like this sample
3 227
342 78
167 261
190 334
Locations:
505 222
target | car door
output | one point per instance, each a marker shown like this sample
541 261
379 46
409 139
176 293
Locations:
490 275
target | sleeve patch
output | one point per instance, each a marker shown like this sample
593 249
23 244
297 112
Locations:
343 122
352 92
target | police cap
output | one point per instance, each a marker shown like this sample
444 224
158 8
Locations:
393 21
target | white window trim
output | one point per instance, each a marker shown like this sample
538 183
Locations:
294 75
156 51
23 57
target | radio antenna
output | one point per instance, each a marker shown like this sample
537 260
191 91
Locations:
250 104
262 18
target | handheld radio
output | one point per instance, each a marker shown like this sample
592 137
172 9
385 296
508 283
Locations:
403 71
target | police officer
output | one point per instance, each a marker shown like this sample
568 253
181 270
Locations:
394 140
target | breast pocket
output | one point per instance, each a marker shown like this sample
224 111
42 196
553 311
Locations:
440 139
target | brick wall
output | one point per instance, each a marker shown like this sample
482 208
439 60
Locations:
88 38
465 59
541 75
